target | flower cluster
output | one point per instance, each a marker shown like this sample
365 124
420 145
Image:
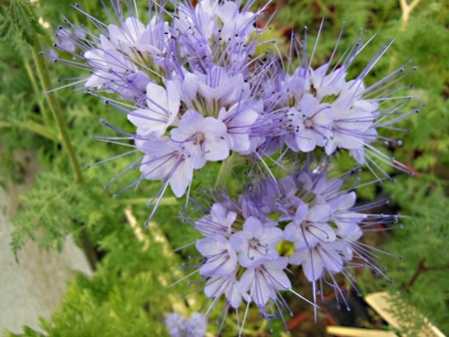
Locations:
196 91
196 88
303 219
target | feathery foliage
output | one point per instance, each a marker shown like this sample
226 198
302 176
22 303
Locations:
128 293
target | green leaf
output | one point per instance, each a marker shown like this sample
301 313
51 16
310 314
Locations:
19 17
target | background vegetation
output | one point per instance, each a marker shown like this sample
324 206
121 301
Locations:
128 293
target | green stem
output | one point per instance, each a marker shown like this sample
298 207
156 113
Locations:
37 91
56 110
226 169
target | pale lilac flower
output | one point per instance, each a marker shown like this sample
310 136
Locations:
126 38
111 67
353 117
316 260
178 326
195 326
174 322
310 226
143 44
154 41
216 30
220 221
219 87
201 138
263 282
238 121
325 84
67 39
342 215
164 161
221 259
218 286
161 111
209 92
256 243
237 25
311 124
348 237
325 190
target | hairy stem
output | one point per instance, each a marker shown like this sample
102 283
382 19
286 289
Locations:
55 109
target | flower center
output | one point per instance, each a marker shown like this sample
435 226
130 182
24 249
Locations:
253 243
199 139
308 123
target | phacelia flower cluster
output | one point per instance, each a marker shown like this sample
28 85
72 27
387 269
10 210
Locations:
196 91
196 88
305 219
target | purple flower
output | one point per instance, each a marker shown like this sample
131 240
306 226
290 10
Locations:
218 286
111 67
311 124
327 84
318 259
174 322
195 326
195 91
310 226
178 326
164 161
342 214
161 111
67 39
238 121
219 221
264 281
256 243
201 138
126 38
221 259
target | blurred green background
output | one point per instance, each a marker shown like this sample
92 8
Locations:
128 294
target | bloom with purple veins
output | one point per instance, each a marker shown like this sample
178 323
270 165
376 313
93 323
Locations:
238 121
256 243
318 259
164 161
312 123
221 258
264 281
310 226
218 286
126 38
219 221
161 112
201 138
